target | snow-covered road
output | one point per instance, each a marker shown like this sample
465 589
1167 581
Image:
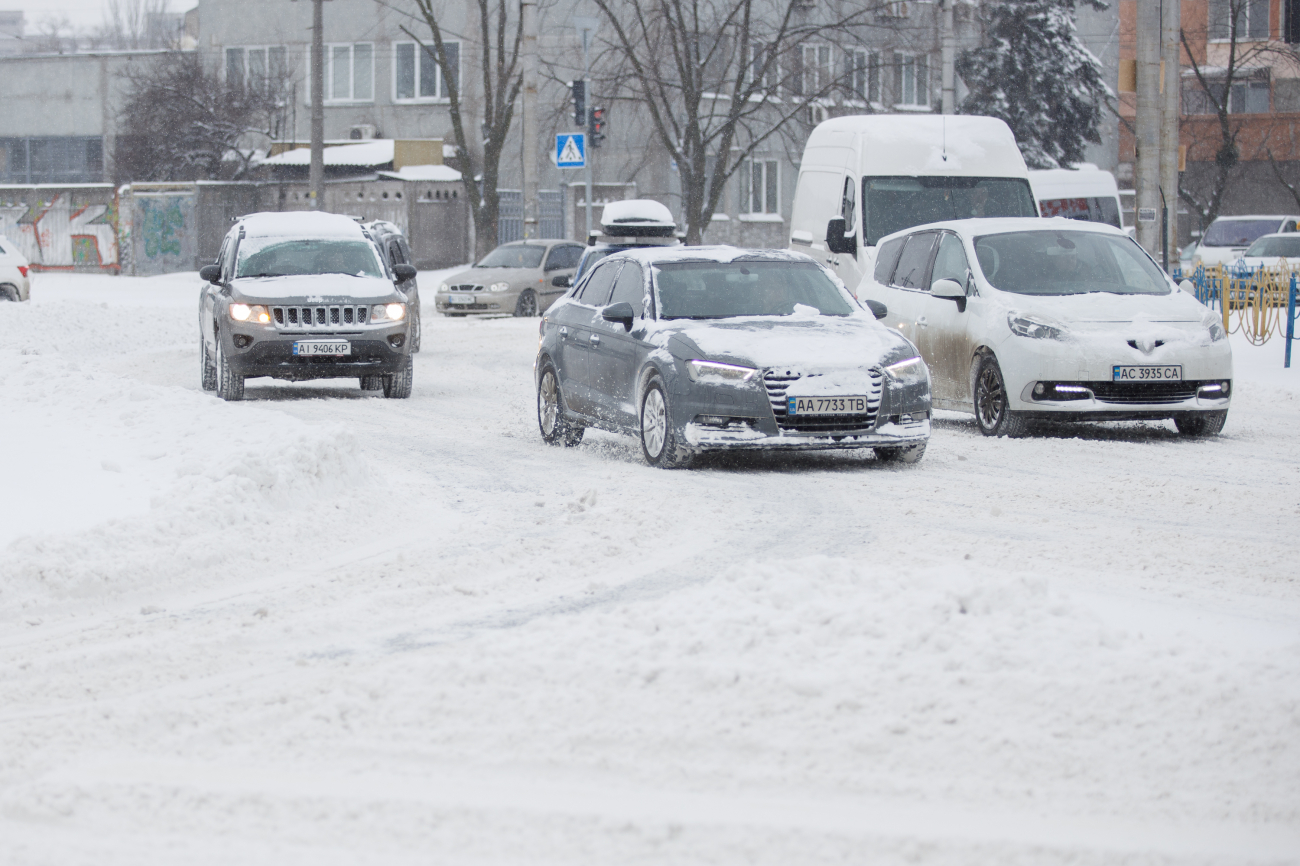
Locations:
320 626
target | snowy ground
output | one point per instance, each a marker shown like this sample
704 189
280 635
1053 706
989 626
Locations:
324 627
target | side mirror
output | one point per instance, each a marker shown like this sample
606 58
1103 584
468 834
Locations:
562 281
836 239
620 312
877 309
1188 286
404 272
211 273
950 289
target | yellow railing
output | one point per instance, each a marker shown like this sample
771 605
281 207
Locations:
1257 300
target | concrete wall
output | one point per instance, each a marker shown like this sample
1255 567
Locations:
63 227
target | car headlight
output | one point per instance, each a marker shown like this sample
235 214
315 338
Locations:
712 371
499 287
444 288
910 372
388 313
1214 325
245 313
1037 327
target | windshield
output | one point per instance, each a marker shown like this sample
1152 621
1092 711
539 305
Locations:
714 290
1095 209
1236 233
1067 263
891 204
1287 247
513 256
280 257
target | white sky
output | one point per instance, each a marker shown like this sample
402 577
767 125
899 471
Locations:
83 13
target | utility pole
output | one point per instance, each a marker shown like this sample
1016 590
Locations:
528 11
1170 52
949 51
316 174
586 27
1148 125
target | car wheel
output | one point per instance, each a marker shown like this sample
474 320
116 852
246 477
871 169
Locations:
207 369
372 383
902 454
9 293
398 385
230 385
526 306
417 331
658 441
1201 424
550 411
991 402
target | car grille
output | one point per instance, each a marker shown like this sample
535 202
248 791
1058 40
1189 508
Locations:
778 382
466 287
324 316
1143 392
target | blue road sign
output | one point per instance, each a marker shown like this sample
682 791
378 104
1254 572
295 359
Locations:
571 150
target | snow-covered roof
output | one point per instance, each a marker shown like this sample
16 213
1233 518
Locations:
638 213
1267 216
999 225
916 145
1072 183
423 172
366 153
721 253
300 223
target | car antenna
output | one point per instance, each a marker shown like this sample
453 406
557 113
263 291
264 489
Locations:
944 122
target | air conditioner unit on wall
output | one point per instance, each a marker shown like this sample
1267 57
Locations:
362 131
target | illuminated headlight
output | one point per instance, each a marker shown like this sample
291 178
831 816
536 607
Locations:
388 313
1037 327
245 313
910 372
1214 325
712 371
499 287
444 288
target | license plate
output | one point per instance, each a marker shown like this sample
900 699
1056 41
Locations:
312 348
1129 373
460 299
826 406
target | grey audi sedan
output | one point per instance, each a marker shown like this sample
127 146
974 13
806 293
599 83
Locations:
695 349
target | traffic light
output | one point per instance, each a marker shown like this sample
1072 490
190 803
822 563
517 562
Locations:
596 126
579 103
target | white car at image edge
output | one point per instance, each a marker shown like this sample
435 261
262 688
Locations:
1025 320
15 273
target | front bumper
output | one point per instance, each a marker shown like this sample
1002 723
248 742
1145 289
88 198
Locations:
484 302
262 350
739 436
1109 401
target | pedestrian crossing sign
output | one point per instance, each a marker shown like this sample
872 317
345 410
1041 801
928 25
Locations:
571 150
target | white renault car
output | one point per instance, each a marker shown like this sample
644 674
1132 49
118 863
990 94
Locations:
15 270
1052 319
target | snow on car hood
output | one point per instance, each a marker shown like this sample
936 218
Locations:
806 342
1177 306
314 288
487 276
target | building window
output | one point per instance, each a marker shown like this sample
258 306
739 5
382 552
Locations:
761 60
417 74
912 87
1249 96
814 72
350 72
864 75
1251 19
260 67
761 187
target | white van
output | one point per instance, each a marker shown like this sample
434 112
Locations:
1228 237
906 170
1082 193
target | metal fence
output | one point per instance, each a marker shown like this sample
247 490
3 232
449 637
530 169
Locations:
510 214
1255 303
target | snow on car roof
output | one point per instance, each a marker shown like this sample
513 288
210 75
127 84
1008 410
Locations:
640 212
999 225
723 254
300 224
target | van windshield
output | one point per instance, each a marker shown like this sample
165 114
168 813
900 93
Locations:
1237 233
891 204
1096 209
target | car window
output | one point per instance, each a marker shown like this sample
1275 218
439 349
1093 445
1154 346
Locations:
513 256
280 257
596 290
914 261
630 288
564 256
950 261
1068 263
722 290
395 252
886 258
1236 233
226 258
1275 247
849 206
3 251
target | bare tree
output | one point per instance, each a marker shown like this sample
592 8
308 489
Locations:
133 24
186 123
54 35
496 44
719 78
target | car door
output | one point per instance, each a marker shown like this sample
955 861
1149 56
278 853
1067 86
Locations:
615 350
904 289
848 266
208 300
561 261
942 325
575 320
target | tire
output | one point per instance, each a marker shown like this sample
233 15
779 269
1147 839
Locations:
230 385
207 369
9 293
550 411
990 398
417 331
372 383
659 442
902 454
397 386
1202 423
526 306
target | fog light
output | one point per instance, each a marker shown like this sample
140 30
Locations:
713 420
243 341
1038 389
396 340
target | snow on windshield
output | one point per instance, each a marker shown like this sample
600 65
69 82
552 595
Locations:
513 256
1067 263
281 257
717 290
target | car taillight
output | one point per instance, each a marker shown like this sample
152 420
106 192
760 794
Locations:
22 269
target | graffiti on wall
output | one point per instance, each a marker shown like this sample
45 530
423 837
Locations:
163 236
58 234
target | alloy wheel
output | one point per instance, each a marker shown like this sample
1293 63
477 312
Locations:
654 423
548 404
991 397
